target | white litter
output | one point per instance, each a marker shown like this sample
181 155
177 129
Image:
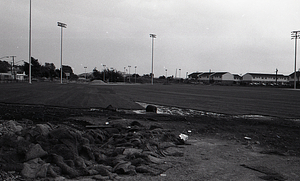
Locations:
184 137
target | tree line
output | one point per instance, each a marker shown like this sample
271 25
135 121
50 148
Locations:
48 70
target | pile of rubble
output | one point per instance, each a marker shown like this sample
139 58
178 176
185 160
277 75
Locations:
102 151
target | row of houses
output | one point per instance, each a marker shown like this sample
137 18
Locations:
248 78
10 76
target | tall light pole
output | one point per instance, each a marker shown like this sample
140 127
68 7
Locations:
29 42
179 73
295 35
104 73
62 25
124 74
111 73
166 75
129 72
135 72
152 36
85 71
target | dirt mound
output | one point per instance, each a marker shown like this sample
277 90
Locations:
97 82
103 150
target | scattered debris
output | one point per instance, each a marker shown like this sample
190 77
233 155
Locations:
184 137
247 138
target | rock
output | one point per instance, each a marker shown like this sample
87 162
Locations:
66 169
131 151
70 163
86 152
42 173
151 108
101 169
65 151
35 168
92 172
12 126
124 167
51 172
138 161
35 151
155 159
43 129
79 162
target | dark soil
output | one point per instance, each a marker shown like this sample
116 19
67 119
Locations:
275 136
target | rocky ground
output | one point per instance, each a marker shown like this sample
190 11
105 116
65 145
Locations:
52 143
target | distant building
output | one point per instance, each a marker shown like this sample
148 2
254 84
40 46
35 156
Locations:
5 76
194 75
291 77
237 79
205 77
21 77
10 76
216 77
222 77
264 78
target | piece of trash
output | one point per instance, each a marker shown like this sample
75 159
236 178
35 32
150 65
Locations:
247 138
189 131
128 127
106 122
184 137
93 109
163 174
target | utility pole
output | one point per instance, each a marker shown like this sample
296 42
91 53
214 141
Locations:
129 72
276 75
179 73
13 67
104 73
135 72
124 74
295 35
152 36
166 73
85 72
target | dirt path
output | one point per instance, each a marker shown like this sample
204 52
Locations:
215 159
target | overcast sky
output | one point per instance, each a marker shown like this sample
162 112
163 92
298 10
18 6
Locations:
237 36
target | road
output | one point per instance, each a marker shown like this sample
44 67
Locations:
235 100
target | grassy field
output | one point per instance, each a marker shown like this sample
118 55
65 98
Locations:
220 99
63 95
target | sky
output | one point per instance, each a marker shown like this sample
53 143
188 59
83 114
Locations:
236 36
